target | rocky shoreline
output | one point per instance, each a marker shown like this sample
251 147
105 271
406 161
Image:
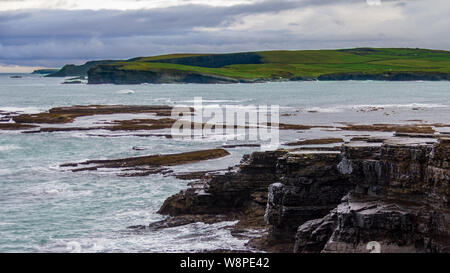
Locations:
328 195
394 195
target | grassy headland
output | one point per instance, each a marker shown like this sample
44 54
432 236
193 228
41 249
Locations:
344 64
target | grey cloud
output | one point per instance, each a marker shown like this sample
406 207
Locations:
62 22
113 23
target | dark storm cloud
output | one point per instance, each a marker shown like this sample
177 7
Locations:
56 37
116 23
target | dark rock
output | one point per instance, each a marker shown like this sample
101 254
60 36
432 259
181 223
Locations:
312 236
399 203
181 221
386 76
72 82
145 165
68 114
393 196
397 128
44 71
15 126
311 185
315 141
195 175
357 223
232 191
241 145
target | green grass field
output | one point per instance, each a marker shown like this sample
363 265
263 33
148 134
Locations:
308 64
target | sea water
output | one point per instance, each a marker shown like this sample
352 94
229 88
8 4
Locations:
46 208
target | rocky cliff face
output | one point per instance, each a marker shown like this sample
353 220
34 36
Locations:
399 203
236 191
112 74
360 224
310 186
390 198
100 74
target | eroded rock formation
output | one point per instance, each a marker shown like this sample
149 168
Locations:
234 191
400 202
391 197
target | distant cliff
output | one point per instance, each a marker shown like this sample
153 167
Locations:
387 76
112 74
71 70
45 71
386 64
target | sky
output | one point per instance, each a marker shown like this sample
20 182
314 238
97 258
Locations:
51 33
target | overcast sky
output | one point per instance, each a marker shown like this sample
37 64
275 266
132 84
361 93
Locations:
51 33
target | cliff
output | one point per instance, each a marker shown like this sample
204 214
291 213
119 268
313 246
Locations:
392 197
45 71
386 76
71 70
400 201
113 74
385 64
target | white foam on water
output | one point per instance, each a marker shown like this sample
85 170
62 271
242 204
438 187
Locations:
40 169
324 110
196 237
407 105
22 110
357 107
5 171
214 101
233 106
56 190
125 91
165 100
9 147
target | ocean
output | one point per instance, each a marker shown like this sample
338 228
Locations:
46 208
